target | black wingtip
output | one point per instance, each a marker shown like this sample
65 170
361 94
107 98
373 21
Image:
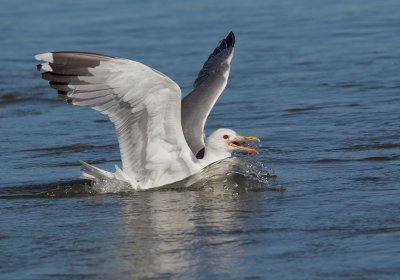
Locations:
39 67
230 39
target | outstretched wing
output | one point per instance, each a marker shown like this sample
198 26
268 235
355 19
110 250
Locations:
209 85
143 104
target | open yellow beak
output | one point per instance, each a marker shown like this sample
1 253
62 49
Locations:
240 142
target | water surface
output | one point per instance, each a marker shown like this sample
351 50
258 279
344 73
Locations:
317 81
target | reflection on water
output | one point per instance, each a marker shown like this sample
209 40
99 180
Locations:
182 229
182 232
178 232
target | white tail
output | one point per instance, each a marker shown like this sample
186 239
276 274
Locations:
91 172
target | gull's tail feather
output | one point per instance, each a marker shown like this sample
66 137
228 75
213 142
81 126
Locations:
94 173
91 172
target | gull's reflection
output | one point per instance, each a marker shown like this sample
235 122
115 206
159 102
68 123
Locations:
169 232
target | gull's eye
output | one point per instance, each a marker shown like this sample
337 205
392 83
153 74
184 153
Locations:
226 136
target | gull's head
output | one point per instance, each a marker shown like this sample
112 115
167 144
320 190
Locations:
222 142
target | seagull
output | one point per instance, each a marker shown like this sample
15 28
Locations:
160 135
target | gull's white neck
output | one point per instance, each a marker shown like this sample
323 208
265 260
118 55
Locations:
212 155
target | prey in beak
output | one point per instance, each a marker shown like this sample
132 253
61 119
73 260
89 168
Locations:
241 143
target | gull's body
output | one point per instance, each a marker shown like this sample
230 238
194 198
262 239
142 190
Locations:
156 147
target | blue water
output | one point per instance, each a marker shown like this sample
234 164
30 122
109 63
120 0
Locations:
317 81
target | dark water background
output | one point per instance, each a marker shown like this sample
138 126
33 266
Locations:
318 81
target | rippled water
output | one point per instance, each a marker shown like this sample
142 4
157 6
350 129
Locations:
318 81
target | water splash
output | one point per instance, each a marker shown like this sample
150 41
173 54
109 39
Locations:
233 175
229 175
101 186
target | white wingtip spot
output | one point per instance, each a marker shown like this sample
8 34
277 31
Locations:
46 67
44 57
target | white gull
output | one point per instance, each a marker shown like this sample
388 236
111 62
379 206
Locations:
160 136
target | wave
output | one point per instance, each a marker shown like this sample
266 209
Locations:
372 158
